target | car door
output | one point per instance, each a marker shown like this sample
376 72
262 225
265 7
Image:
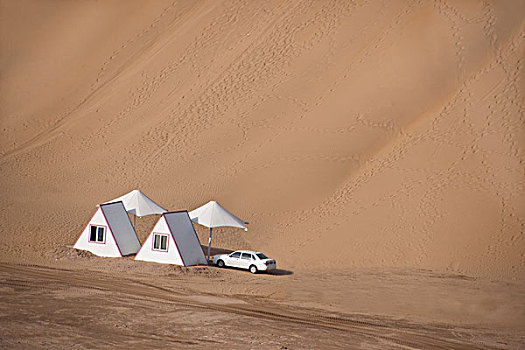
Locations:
234 259
245 261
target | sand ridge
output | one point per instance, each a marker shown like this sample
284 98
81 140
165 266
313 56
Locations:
350 134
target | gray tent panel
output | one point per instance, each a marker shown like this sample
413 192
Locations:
119 223
185 237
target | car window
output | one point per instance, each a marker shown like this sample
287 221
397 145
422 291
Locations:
246 256
262 256
235 255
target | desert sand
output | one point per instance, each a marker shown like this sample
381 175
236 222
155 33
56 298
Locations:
375 147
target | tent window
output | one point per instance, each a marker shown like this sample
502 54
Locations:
97 234
160 242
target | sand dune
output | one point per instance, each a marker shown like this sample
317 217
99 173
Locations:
350 134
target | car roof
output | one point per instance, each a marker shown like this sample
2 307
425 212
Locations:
246 251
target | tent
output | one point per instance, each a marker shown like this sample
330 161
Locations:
173 241
109 233
211 215
138 204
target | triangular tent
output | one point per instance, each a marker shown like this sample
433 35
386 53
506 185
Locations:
173 241
109 233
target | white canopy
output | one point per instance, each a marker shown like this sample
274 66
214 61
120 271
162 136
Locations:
212 214
138 204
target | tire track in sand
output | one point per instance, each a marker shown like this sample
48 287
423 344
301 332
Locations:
421 337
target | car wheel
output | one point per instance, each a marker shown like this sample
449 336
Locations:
220 263
253 269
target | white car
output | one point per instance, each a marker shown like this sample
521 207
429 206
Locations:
245 259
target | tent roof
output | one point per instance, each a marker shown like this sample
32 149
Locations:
137 203
185 238
212 214
120 225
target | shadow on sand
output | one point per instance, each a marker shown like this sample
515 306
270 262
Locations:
215 251
280 272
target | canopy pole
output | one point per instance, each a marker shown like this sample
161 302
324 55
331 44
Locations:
209 245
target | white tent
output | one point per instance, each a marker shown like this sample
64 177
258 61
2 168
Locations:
173 241
211 215
109 233
138 204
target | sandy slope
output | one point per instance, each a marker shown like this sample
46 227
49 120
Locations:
349 133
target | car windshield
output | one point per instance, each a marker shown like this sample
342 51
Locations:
262 256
